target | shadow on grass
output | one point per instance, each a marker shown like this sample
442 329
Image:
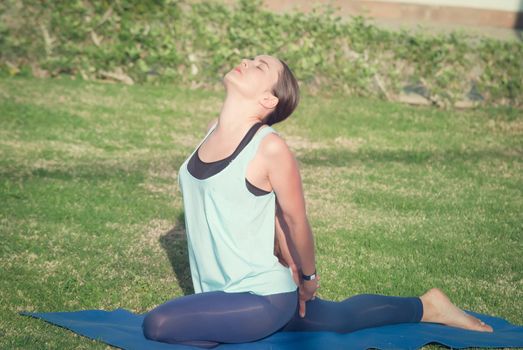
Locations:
174 242
341 158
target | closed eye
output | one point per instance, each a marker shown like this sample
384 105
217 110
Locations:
258 66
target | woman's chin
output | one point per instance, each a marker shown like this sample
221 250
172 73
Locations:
229 84
226 80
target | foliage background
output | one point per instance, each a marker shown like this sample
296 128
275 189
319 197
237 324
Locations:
194 44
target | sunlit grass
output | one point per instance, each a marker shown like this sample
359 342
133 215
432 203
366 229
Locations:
400 199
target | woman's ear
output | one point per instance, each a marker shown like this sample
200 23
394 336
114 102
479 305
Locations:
269 101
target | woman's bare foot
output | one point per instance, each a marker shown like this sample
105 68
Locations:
438 308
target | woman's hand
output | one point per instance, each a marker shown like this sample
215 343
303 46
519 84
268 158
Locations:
307 291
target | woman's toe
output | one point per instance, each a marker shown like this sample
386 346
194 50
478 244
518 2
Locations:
486 327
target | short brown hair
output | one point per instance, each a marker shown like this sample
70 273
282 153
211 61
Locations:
287 91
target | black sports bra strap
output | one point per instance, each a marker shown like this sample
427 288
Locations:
203 170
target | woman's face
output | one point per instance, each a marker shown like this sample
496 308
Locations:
254 78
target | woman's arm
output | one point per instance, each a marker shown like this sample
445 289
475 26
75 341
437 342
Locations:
285 179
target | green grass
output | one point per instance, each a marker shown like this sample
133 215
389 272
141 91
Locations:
400 199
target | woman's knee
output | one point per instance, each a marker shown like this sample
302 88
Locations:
153 326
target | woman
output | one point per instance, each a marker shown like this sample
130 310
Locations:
238 177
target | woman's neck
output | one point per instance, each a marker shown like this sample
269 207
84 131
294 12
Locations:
237 115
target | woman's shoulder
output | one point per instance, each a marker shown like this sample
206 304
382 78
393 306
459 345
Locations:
273 145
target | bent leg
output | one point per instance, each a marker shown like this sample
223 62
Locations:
357 312
207 319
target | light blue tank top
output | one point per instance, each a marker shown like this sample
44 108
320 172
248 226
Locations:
230 231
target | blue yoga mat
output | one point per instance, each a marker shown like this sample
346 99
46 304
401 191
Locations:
122 329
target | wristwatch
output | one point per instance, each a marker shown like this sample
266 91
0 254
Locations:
309 277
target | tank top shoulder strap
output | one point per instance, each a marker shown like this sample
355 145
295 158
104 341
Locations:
252 148
259 136
265 131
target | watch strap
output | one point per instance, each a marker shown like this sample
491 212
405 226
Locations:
309 277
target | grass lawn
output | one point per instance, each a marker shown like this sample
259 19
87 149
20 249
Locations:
400 199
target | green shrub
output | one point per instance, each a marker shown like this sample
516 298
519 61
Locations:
187 43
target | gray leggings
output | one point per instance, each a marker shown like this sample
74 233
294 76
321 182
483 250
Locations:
208 319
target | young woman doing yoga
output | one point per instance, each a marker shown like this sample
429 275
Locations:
251 249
